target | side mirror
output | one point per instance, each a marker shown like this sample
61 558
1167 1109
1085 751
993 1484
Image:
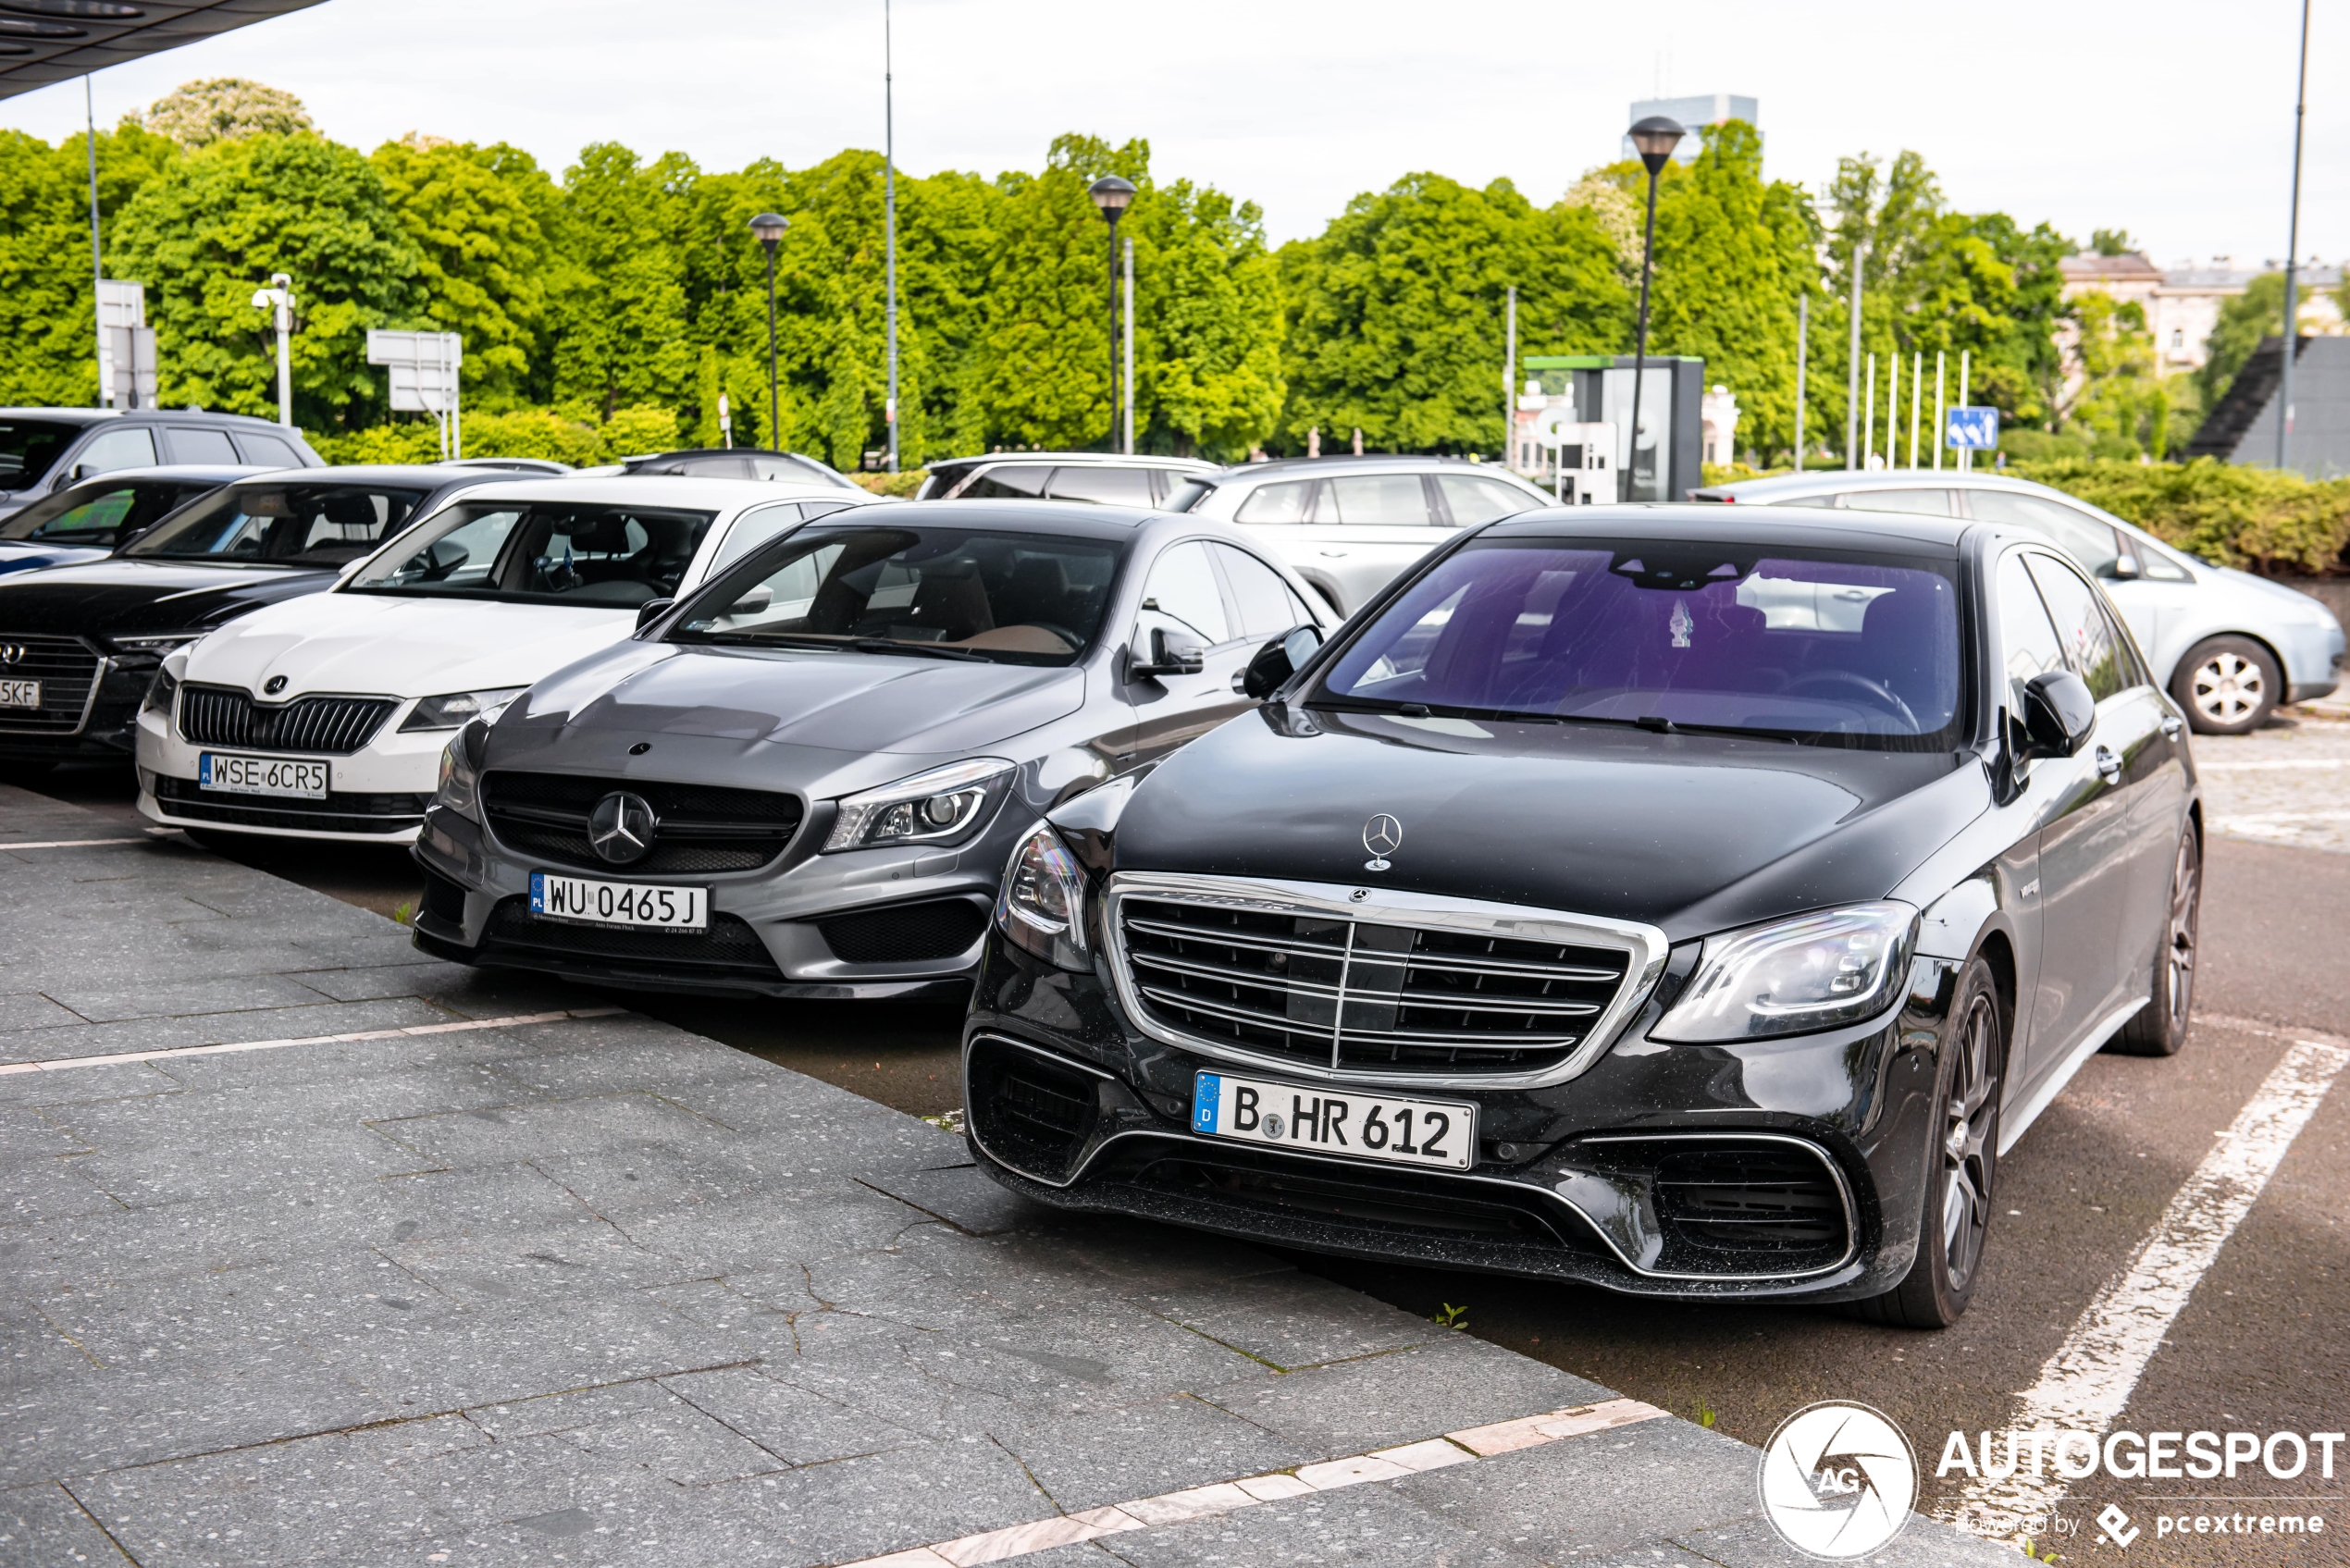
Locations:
1170 653
2058 713
1278 660
2122 569
651 610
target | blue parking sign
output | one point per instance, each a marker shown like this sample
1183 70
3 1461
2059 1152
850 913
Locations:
1973 429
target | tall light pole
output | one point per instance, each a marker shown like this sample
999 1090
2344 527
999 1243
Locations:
768 229
1654 137
1802 340
278 300
889 226
1852 363
2293 244
1113 196
97 264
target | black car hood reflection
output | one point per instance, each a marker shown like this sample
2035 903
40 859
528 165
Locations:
122 596
854 702
1693 833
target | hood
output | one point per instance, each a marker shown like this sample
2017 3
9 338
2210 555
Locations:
123 596
402 646
851 702
1693 833
31 555
2290 603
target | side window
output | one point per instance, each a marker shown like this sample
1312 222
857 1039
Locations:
1380 497
132 448
1182 588
1009 481
1473 500
719 467
754 528
1267 608
1105 487
1931 503
2089 637
1284 503
2028 644
93 519
2087 540
191 445
267 450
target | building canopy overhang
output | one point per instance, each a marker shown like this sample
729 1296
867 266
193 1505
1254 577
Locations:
43 42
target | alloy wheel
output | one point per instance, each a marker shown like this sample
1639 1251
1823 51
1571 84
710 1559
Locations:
1970 1141
2228 687
2179 937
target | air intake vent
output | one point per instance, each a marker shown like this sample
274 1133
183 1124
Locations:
1028 1111
1749 1208
906 933
703 828
317 726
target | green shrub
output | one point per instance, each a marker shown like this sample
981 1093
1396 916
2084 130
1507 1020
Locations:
533 432
638 429
2263 519
527 432
903 483
411 442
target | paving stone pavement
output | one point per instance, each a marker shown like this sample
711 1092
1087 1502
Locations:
600 1291
2288 785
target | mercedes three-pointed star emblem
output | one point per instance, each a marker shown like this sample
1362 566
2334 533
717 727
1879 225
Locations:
1382 835
621 827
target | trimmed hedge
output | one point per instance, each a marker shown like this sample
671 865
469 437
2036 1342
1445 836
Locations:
2260 519
531 432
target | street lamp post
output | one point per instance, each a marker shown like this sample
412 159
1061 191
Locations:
1654 137
277 298
2293 244
1112 195
768 229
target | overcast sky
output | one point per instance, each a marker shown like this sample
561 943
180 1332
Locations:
2172 121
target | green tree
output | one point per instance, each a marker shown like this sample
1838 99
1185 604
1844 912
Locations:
2117 396
2244 320
198 114
2112 242
211 227
623 336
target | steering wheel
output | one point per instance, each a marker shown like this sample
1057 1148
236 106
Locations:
1883 694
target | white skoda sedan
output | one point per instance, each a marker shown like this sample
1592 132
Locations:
325 717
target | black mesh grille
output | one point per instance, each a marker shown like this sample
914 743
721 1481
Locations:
703 828
444 900
1412 998
65 669
1032 1113
729 949
906 933
336 813
1749 1208
319 726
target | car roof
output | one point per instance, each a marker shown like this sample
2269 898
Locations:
1817 528
93 415
1376 461
423 476
660 489
1074 518
197 473
1836 481
1084 459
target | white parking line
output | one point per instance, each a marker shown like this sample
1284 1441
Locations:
68 842
458 1027
2086 1385
1223 1497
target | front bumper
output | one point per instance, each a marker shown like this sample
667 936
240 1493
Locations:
1789 1169
376 795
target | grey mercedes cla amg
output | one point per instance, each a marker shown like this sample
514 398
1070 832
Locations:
1678 901
804 779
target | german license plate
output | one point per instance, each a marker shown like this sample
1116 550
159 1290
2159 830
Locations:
1441 1133
260 775
588 901
19 693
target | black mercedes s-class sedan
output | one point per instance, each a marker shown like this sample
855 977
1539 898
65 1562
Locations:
1684 903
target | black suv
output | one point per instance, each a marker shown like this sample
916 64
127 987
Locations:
48 448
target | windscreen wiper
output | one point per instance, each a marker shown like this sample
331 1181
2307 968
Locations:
926 649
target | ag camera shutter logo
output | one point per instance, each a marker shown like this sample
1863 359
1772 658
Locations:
1838 1480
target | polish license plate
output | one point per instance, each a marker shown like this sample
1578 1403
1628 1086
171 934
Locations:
1440 1133
19 693
260 775
586 901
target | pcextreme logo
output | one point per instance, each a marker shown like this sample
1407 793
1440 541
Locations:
1838 1480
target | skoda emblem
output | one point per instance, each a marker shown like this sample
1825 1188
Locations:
273 685
1382 835
621 827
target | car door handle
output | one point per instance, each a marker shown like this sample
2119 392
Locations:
2172 726
2108 765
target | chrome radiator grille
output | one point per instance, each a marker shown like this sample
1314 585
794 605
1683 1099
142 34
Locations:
329 726
1368 994
65 669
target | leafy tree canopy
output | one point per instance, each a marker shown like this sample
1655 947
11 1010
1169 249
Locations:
224 109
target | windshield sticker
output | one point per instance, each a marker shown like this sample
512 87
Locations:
1681 624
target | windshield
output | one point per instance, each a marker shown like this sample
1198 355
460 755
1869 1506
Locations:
322 526
1021 599
544 552
1845 648
27 446
101 514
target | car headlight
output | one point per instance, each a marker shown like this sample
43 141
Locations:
162 642
1791 977
452 709
460 786
1041 906
942 805
162 692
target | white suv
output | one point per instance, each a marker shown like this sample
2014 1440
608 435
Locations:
1350 525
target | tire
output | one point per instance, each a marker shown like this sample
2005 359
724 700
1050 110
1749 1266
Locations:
2228 686
1955 1219
2159 1028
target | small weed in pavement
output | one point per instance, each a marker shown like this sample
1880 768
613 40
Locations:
1451 1317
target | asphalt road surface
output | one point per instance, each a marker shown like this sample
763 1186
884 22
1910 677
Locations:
2262 1343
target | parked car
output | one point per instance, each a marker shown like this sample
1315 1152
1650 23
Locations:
1351 524
83 642
47 448
803 780
85 522
2227 645
1103 478
325 717
1685 900
545 467
742 462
